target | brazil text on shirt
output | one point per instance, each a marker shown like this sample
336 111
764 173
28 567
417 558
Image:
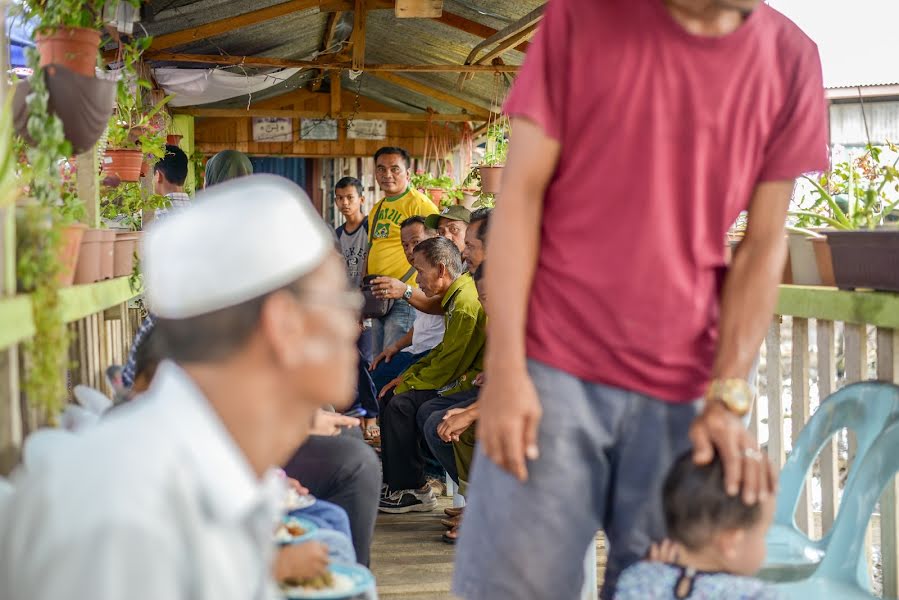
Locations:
382 229
386 256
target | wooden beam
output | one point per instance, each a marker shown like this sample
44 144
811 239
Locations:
318 114
328 35
261 61
358 36
510 44
418 9
431 92
472 27
347 5
336 105
533 17
195 34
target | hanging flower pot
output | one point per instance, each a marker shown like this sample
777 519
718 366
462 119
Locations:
866 258
123 165
436 195
491 179
469 197
68 252
82 103
173 139
73 48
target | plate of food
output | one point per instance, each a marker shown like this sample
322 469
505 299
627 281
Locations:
294 529
294 501
340 582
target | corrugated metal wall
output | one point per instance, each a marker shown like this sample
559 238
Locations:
847 123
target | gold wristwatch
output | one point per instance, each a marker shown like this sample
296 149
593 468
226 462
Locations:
735 394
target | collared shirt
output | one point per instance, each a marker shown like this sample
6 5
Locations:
451 366
179 201
156 502
427 331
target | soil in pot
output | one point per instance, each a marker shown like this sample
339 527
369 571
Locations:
125 246
802 260
89 262
824 261
107 254
68 252
73 48
124 165
866 259
491 179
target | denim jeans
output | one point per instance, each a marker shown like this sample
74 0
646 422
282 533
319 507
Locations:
429 417
604 454
392 326
388 371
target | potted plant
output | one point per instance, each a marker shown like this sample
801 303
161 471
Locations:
442 190
491 168
129 133
122 207
68 31
854 201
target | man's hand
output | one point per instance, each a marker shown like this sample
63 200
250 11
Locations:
328 423
510 415
297 486
717 429
392 384
455 422
388 287
479 379
298 562
665 551
388 353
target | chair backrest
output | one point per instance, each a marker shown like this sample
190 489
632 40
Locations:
866 408
847 543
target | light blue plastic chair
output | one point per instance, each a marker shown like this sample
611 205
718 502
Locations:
866 409
838 575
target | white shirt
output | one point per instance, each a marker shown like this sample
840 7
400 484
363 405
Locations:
156 502
427 332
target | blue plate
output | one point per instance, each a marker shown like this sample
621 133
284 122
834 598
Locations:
308 526
350 581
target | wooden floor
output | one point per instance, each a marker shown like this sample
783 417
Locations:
411 562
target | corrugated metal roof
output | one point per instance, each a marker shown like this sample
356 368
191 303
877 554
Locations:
388 40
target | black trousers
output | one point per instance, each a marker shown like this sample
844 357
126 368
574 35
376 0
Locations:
401 442
343 470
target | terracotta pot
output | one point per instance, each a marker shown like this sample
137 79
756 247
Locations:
73 48
68 252
126 243
436 195
123 164
84 105
107 254
89 263
802 260
824 261
491 179
173 139
866 258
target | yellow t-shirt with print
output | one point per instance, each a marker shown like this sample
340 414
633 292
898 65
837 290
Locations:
386 256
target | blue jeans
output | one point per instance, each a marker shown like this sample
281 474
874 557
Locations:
604 455
392 326
429 417
388 371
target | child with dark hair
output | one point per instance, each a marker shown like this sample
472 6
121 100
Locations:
717 542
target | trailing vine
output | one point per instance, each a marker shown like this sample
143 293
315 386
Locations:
38 264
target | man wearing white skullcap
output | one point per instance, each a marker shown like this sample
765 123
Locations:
169 498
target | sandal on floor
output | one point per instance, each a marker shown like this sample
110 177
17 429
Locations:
372 435
453 511
451 536
451 522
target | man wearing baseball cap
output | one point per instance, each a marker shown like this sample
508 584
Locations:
171 498
451 223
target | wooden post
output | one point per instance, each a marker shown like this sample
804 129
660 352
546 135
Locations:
888 370
775 400
800 410
337 105
829 459
856 357
87 170
183 125
358 36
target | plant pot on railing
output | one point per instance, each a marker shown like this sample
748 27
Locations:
82 103
824 261
89 262
866 258
126 245
73 48
68 252
107 254
491 179
803 265
123 165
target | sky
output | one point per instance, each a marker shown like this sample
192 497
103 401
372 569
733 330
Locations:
857 39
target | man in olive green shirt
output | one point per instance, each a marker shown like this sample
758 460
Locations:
451 367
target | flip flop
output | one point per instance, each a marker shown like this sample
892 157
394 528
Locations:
451 536
453 511
451 523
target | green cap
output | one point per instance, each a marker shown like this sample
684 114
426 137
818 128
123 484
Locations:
453 213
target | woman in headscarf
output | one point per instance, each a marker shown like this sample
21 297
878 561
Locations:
227 164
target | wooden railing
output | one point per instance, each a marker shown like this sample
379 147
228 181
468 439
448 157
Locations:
101 322
821 340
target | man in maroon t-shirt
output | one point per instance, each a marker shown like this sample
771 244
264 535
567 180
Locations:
672 116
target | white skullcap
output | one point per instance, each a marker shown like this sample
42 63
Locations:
239 240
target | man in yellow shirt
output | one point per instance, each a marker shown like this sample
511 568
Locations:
386 256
